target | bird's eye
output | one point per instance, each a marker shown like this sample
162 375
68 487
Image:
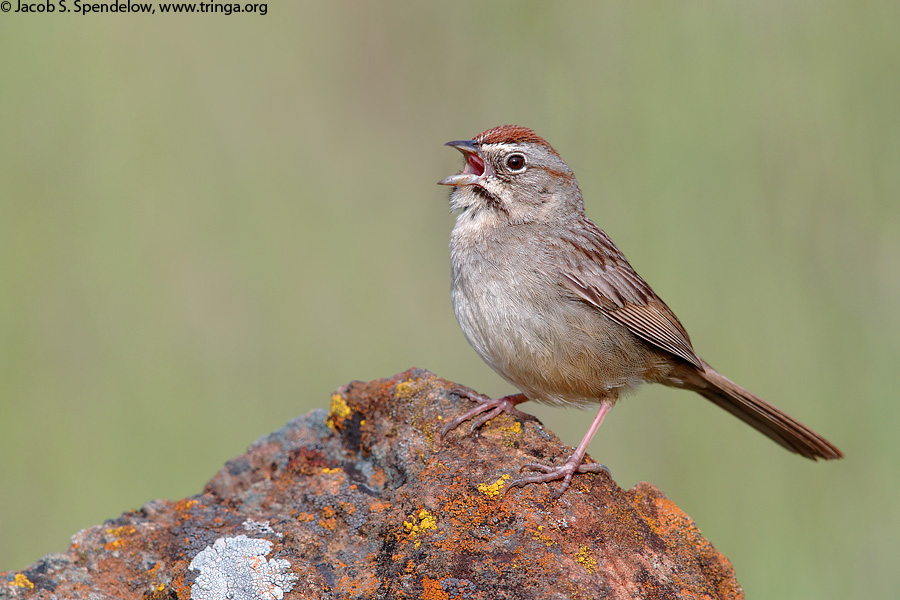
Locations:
515 162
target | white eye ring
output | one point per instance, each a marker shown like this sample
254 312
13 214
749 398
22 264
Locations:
516 162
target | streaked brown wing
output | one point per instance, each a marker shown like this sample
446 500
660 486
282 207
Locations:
601 276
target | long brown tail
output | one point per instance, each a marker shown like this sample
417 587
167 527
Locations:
761 415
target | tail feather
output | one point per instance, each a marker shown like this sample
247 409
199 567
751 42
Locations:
759 414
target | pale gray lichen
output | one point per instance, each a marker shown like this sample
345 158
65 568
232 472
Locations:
236 569
261 527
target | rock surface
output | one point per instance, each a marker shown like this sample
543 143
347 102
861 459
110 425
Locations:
367 502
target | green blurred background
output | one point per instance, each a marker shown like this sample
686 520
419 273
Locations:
208 223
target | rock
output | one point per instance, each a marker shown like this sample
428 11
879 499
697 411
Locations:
366 501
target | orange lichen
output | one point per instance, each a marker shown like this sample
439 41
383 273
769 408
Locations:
114 545
683 536
364 585
379 477
329 522
119 533
183 509
460 514
668 519
179 585
432 590
152 573
467 511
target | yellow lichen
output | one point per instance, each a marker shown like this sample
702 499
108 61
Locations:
186 504
407 389
327 471
426 520
515 428
22 581
121 531
587 561
338 412
118 533
511 433
492 490
543 538
419 523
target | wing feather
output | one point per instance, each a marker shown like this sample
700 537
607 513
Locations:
600 275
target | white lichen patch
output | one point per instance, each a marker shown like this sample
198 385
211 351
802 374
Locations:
260 527
236 569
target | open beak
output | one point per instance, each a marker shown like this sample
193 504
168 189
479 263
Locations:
474 168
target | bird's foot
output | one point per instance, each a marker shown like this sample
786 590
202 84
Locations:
491 408
564 472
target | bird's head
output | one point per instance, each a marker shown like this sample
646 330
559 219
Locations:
515 175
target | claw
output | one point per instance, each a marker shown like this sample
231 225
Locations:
493 407
507 404
565 472
572 465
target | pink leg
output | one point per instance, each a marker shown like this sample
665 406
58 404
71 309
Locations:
493 408
571 466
